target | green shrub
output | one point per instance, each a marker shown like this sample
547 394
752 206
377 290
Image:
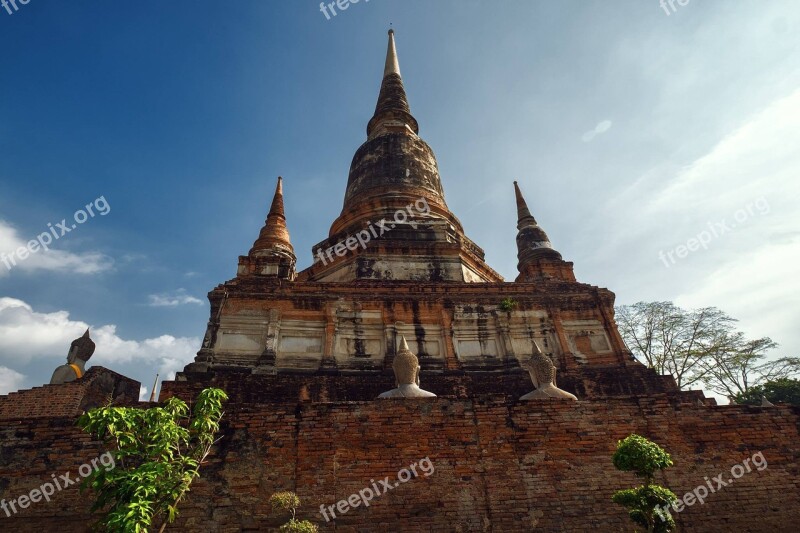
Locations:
289 501
647 505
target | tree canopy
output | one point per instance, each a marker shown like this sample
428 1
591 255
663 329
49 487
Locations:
780 390
700 347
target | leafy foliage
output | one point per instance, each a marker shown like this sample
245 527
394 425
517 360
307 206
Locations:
289 501
508 304
298 526
648 497
647 504
642 457
780 390
158 454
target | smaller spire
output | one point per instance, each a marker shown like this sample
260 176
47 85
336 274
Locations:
274 234
392 63
86 335
531 238
537 258
272 254
522 207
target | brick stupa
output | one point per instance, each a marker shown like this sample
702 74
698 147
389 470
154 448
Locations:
304 355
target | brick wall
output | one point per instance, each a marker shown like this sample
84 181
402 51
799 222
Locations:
499 465
95 388
588 383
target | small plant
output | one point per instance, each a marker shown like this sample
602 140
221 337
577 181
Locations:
646 504
289 501
158 454
508 304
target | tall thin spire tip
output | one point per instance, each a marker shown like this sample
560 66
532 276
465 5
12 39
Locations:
392 63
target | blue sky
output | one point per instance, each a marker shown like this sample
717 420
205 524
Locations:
629 130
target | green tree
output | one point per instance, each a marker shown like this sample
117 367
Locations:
700 347
745 365
158 453
647 504
780 390
672 340
289 501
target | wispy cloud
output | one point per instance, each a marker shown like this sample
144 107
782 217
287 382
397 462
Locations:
51 260
173 299
600 129
749 273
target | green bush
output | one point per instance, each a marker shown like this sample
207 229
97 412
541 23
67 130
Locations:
289 501
647 505
158 454
642 457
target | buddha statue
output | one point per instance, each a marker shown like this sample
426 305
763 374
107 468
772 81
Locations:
543 376
80 351
406 375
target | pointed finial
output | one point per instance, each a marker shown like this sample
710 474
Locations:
403 344
522 207
536 349
392 110
277 201
766 403
86 335
392 63
153 392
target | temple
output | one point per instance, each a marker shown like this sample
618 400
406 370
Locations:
396 262
399 346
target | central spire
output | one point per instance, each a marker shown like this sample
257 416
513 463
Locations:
392 64
392 112
394 185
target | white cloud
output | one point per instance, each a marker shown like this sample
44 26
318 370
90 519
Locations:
600 129
52 259
732 287
173 299
759 159
27 335
10 380
749 272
